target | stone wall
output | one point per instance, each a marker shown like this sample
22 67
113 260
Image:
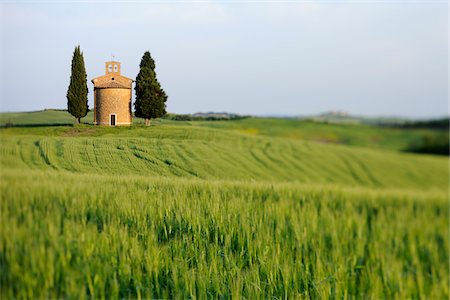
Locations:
112 101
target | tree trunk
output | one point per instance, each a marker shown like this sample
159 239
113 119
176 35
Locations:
147 122
77 121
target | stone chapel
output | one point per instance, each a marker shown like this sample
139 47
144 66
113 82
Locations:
112 97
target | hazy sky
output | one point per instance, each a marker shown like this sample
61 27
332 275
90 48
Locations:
285 58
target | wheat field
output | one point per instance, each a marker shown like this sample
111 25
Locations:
187 211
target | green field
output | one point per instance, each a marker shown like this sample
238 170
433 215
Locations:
254 208
346 134
47 117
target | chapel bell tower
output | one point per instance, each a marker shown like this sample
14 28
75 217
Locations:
112 67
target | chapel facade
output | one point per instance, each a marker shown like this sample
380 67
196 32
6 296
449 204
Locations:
112 97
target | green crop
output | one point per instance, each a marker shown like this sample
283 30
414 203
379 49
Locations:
347 134
181 211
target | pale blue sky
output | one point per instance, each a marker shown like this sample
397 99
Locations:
288 58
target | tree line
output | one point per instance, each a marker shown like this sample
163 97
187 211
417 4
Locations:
150 97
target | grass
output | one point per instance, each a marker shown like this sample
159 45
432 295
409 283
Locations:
347 134
183 210
80 236
47 117
190 152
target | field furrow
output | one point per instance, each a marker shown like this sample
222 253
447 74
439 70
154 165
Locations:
184 212
255 158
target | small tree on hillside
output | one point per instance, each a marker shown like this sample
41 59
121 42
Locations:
77 100
150 97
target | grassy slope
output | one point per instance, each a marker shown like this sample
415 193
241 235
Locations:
187 151
358 135
180 211
48 117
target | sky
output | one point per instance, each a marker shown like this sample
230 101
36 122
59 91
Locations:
373 58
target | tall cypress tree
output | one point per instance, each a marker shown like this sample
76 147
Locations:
150 97
77 100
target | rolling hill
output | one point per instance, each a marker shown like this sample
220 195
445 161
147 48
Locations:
253 208
394 138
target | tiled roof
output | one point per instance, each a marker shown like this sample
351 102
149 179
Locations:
111 75
112 84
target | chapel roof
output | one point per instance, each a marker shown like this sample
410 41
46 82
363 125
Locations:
112 77
111 84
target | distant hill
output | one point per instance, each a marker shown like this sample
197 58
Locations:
340 117
62 117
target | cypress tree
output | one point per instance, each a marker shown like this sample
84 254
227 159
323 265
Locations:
77 100
150 97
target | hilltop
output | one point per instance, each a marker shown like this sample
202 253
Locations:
410 136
